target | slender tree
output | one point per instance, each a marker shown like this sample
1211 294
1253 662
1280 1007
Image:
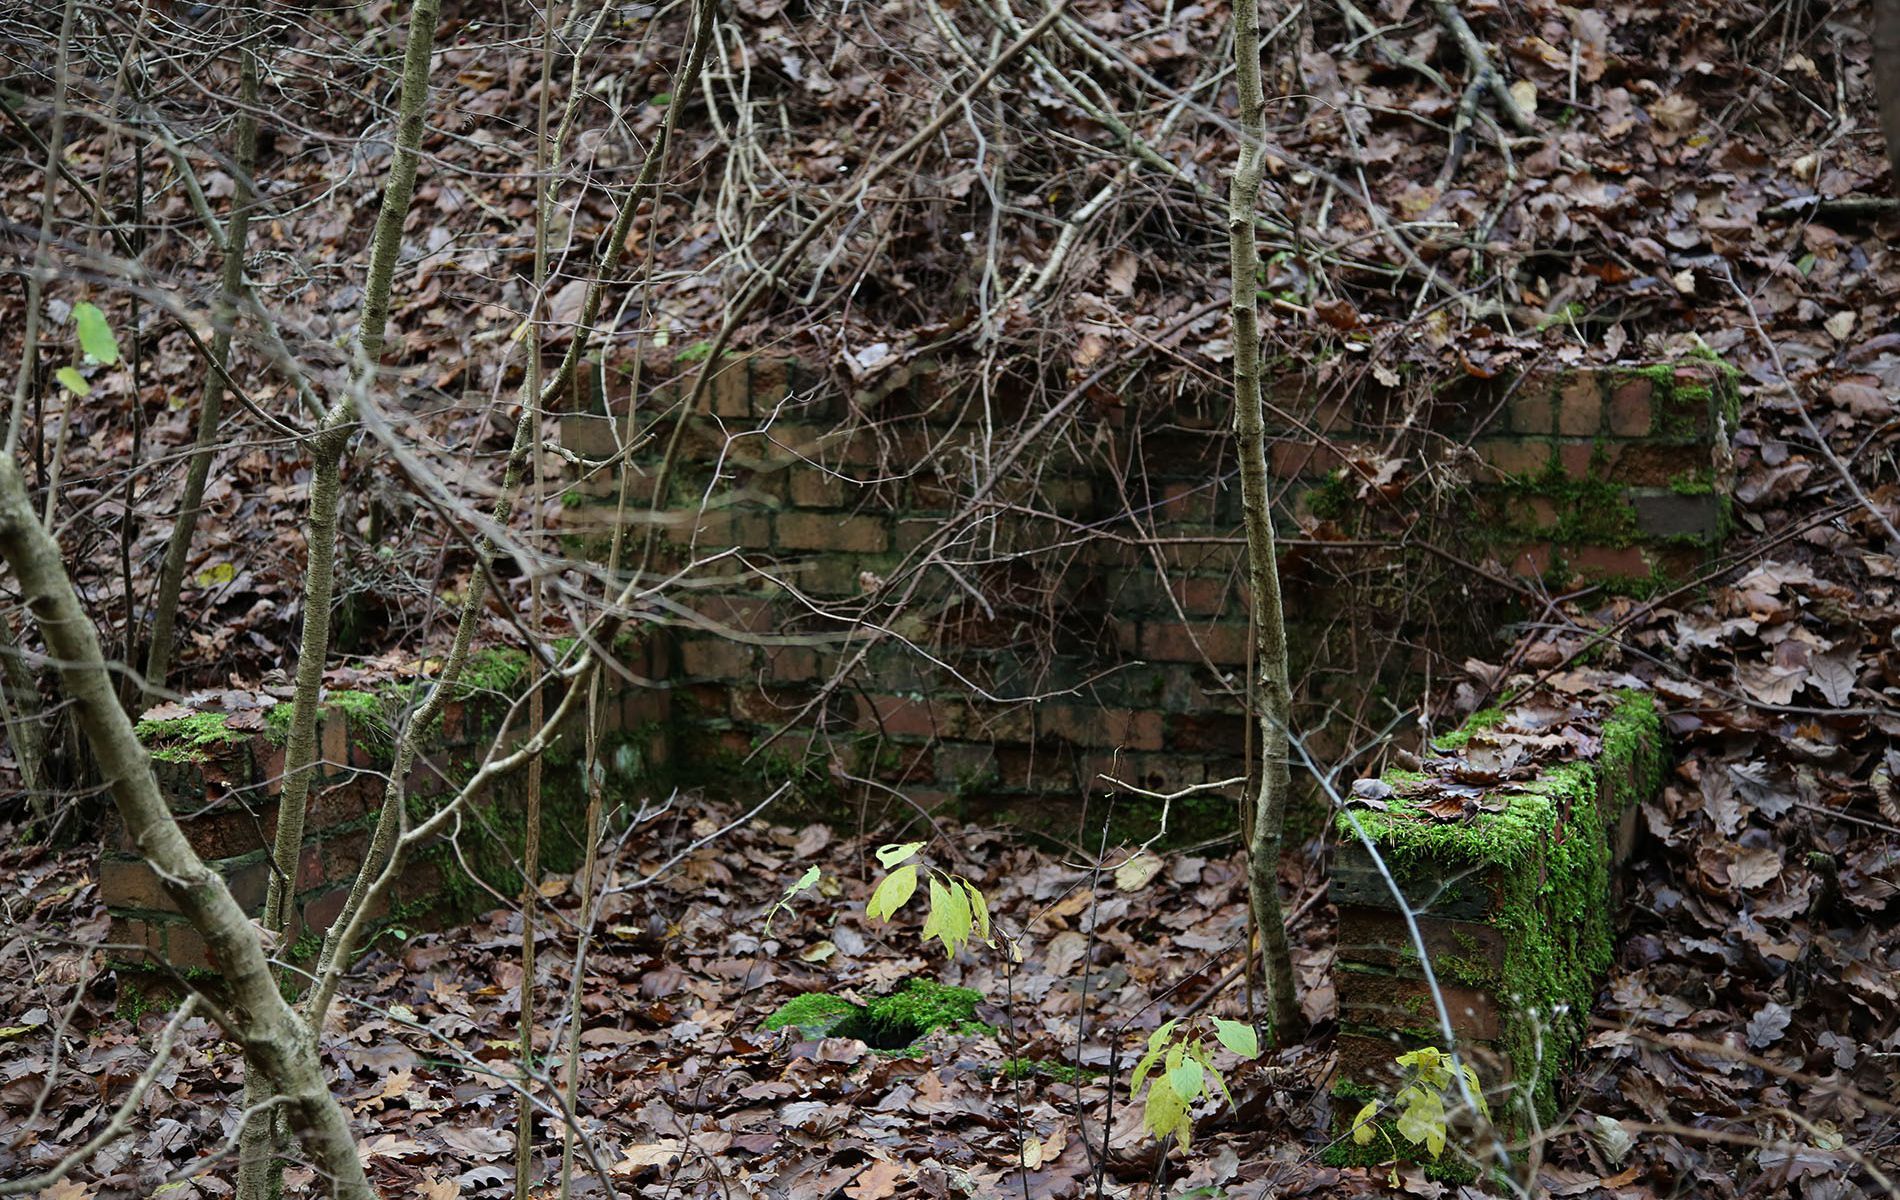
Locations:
1274 698
171 578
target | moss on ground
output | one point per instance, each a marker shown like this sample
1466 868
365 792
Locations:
1048 1068
894 1022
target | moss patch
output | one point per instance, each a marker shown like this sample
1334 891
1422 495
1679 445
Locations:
186 739
893 1022
1048 1068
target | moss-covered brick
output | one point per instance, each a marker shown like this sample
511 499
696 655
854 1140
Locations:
1536 876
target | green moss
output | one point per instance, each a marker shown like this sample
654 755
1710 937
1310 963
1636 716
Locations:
497 669
186 739
1048 1068
369 715
1587 511
927 1006
814 1014
1331 497
1693 483
1389 1145
277 723
894 1022
1546 856
1459 738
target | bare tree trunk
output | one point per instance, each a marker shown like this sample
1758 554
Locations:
257 1174
255 1013
171 578
1263 572
1887 79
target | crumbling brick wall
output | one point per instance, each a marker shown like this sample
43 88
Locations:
1104 575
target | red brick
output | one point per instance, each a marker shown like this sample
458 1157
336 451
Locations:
1579 459
898 716
1222 645
791 664
590 435
822 531
1629 409
1532 411
183 949
1209 595
322 909
128 883
1607 561
771 382
815 488
1514 456
1581 414
1201 733
713 658
1529 562
335 740
227 831
1656 464
747 614
1381 1000
1381 938
1087 726
644 706
1303 460
731 389
1185 502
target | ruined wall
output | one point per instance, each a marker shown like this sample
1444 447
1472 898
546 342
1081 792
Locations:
1103 577
222 769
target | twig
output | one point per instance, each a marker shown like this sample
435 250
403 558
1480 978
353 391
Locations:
1483 73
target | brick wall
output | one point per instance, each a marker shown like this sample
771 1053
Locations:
1105 578
224 778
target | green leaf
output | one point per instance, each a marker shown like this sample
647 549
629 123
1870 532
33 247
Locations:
810 877
949 916
1431 1063
70 379
892 854
1362 1126
1199 1051
1157 1043
1477 1089
1186 1079
892 893
216 575
1165 1114
1238 1036
1422 1120
980 909
95 336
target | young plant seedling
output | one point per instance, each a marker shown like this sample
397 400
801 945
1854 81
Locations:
958 911
1421 1102
1179 1069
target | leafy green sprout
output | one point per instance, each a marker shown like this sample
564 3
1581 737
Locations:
958 911
810 877
1179 1070
97 345
1421 1102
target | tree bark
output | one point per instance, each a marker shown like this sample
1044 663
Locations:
255 1013
1263 573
